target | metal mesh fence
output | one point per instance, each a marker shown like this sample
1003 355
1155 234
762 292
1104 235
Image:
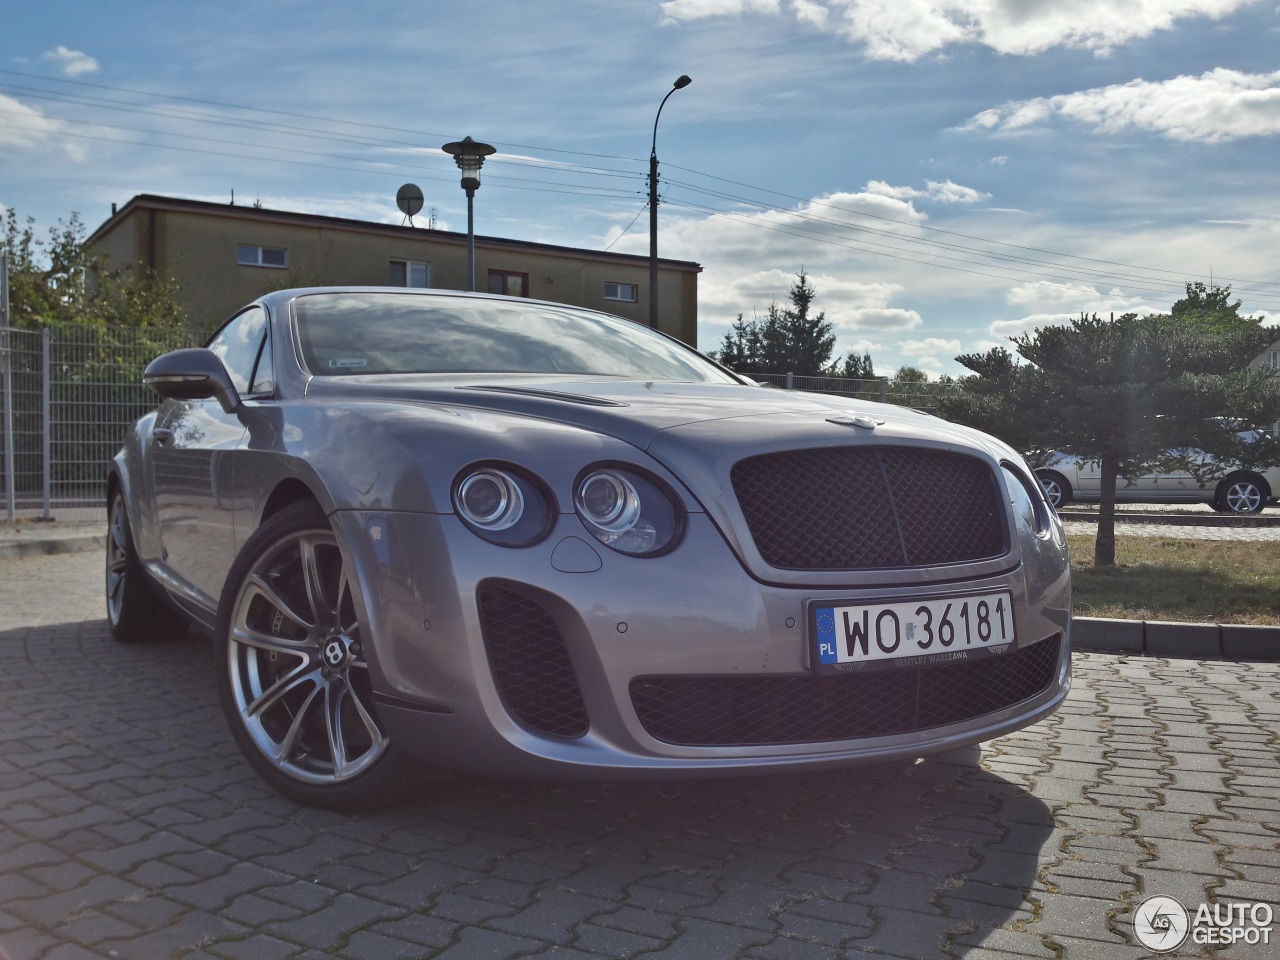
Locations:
71 392
920 395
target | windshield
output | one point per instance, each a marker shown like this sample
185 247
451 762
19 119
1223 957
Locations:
383 332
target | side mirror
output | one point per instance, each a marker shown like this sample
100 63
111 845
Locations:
194 373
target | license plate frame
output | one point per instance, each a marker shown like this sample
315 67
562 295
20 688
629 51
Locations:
859 635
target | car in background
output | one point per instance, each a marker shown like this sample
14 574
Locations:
1226 488
529 539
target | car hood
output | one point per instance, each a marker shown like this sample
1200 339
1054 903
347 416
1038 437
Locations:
640 412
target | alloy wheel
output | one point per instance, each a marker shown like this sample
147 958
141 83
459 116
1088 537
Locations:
299 680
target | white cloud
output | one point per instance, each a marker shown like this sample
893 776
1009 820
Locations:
1057 304
1219 105
699 9
814 14
907 30
944 191
932 345
23 127
72 63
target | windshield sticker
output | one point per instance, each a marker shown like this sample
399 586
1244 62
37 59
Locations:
345 363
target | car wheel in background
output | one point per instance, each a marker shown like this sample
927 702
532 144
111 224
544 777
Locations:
1242 493
1056 488
135 610
292 669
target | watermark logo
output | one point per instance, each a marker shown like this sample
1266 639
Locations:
1162 923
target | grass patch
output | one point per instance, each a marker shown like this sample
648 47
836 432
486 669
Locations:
1154 578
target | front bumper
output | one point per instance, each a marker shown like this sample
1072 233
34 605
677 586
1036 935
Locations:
693 614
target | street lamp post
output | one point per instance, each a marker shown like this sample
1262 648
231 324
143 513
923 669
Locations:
470 158
681 81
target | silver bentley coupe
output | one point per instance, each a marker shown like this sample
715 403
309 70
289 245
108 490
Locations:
428 528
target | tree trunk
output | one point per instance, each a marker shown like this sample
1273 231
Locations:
1104 547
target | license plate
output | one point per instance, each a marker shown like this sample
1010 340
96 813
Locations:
909 632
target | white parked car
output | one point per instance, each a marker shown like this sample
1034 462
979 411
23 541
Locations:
1228 489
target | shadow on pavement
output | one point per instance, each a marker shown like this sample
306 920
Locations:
133 825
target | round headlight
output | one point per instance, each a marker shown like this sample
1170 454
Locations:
628 511
491 500
504 506
609 501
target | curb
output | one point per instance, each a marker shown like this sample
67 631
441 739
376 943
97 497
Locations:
1177 519
53 545
1161 638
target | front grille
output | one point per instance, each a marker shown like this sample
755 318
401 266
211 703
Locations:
870 508
530 663
757 711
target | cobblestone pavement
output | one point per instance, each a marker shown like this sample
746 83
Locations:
130 827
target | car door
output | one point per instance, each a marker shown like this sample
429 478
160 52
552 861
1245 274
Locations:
193 442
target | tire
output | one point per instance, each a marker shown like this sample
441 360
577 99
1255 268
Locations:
136 613
1056 489
1242 494
291 668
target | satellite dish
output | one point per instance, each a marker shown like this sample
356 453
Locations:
409 199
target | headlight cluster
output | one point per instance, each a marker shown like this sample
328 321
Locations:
502 505
627 510
623 507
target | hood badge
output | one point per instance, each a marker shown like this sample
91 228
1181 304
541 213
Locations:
858 420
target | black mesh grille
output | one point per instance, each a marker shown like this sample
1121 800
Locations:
749 711
873 507
531 666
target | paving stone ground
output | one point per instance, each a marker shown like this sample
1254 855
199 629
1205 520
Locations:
131 828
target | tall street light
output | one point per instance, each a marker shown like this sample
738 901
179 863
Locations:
681 82
470 158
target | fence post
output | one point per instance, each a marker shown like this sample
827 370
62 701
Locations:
46 415
884 389
791 380
6 371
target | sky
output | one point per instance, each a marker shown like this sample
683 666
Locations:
947 173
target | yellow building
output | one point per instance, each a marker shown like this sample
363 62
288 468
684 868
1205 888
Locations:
224 255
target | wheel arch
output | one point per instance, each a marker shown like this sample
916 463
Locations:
1251 475
287 492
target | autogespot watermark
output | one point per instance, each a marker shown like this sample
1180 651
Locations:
1163 924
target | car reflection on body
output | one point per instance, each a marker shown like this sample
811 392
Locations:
530 539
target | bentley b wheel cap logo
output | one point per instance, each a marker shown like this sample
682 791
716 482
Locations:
334 653
855 420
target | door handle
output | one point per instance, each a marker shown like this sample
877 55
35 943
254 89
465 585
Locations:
162 436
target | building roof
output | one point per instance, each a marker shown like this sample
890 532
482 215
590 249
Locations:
154 202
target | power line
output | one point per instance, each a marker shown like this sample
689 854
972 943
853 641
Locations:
957 248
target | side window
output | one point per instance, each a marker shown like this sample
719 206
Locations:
409 273
626 292
253 255
239 344
509 283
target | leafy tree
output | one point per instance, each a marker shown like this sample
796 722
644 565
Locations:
788 340
58 280
1132 394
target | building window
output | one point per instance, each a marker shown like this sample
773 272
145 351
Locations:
1275 360
511 284
253 255
626 292
409 273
